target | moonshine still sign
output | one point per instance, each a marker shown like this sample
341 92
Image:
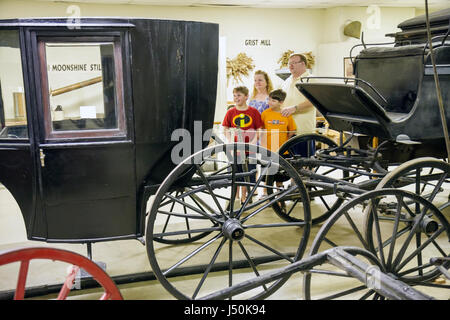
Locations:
74 67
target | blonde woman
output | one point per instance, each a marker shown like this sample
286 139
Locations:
261 88
259 100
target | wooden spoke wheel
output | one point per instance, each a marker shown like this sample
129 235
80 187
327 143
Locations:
324 198
201 229
24 256
393 242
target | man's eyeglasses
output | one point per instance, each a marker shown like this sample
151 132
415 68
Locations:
292 63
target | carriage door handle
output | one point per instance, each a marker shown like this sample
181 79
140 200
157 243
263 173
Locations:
42 157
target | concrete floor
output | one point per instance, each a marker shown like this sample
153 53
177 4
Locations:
130 256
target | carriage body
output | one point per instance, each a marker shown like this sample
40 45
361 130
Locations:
124 86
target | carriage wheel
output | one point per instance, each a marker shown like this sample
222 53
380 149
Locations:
346 228
429 178
240 241
292 211
24 256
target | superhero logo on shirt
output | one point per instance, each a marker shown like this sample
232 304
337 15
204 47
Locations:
242 120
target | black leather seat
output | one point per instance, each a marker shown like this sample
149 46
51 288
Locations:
395 73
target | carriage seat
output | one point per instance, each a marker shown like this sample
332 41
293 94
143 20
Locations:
395 72
351 108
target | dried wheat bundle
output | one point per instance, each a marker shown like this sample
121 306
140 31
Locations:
310 60
283 61
239 67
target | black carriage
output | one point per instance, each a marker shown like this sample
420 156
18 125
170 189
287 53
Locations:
87 112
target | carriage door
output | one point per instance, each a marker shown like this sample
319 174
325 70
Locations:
86 152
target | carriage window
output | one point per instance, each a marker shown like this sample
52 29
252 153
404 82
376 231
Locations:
83 89
13 120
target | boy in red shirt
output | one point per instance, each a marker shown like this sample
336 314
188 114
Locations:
247 121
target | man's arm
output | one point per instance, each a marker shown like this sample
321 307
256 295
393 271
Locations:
299 108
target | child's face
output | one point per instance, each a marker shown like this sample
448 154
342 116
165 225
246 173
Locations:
274 103
239 98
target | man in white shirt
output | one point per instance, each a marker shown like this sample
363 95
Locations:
303 111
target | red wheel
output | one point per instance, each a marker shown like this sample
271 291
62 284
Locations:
78 261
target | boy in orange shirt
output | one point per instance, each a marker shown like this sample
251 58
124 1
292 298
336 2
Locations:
277 128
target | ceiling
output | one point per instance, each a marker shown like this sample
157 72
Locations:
433 4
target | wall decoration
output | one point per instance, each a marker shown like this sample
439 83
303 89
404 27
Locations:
353 29
310 59
283 61
239 67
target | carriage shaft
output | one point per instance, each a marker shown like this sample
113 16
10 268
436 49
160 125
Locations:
385 285
378 281
299 266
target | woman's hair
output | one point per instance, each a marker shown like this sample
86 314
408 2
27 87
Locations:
268 81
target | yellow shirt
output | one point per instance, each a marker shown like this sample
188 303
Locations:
276 129
306 121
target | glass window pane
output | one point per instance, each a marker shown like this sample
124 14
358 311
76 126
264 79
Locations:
13 120
82 86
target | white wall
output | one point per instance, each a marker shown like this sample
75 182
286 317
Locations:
316 30
375 23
